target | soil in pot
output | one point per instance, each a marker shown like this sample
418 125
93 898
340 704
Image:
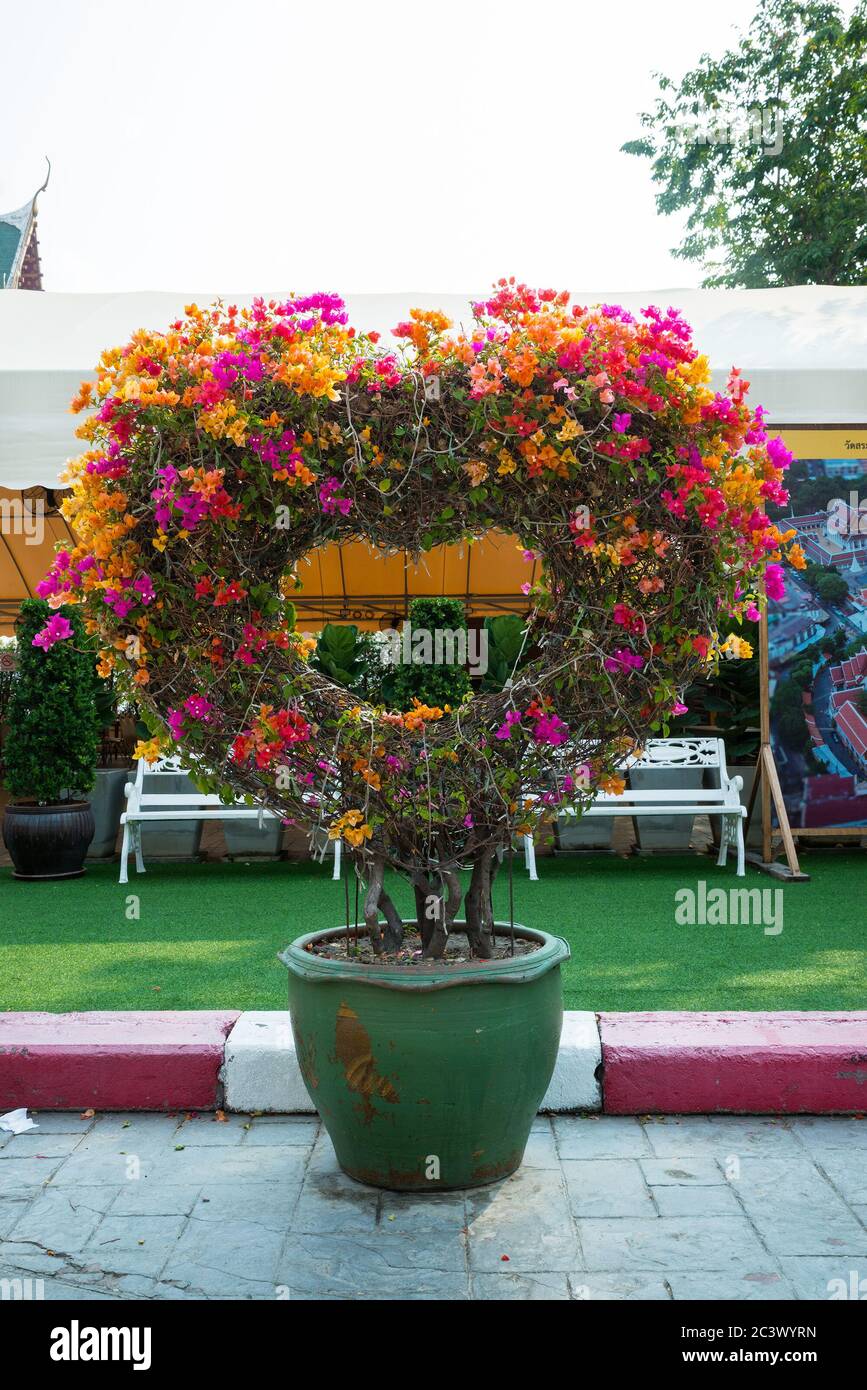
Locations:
48 841
358 950
427 1076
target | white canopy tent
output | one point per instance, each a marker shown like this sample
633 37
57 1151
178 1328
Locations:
804 350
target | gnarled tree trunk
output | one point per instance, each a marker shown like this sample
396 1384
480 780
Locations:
480 915
436 911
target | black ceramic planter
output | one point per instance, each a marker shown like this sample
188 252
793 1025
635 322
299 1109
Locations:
48 841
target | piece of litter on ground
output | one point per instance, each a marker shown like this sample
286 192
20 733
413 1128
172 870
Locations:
16 1121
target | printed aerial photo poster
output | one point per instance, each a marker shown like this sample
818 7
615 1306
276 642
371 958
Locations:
817 636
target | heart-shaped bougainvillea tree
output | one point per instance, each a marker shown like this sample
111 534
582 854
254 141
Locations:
226 448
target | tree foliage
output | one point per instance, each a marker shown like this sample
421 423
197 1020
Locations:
227 448
788 207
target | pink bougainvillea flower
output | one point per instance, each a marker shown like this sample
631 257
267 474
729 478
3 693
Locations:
623 660
331 503
550 729
175 722
513 717
144 588
198 707
57 629
775 585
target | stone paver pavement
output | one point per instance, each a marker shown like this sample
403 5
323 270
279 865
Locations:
154 1206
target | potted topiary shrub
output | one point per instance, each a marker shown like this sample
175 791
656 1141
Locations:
8 676
435 642
426 1042
50 750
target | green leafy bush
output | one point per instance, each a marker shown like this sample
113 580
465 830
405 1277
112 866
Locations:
432 682
727 701
336 653
371 671
50 752
351 658
827 582
8 677
507 649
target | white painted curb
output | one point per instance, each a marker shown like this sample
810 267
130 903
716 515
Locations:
575 1084
261 1070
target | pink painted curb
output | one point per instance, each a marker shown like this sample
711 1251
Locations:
112 1061
747 1063
652 1063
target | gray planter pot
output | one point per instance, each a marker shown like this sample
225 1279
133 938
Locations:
748 772
296 844
584 833
244 838
170 839
664 832
106 803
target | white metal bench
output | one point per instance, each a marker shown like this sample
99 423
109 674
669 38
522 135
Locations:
666 754
663 754
659 754
142 806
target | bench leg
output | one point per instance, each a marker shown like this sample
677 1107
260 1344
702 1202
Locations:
732 835
723 842
530 858
338 849
124 853
139 861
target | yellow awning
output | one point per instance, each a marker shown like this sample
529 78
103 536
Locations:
28 538
347 583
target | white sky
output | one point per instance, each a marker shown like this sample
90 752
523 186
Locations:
370 146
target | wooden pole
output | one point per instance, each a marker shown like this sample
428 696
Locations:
765 734
766 768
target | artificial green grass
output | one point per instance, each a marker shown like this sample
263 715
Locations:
208 935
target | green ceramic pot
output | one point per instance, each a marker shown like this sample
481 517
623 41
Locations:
427 1079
